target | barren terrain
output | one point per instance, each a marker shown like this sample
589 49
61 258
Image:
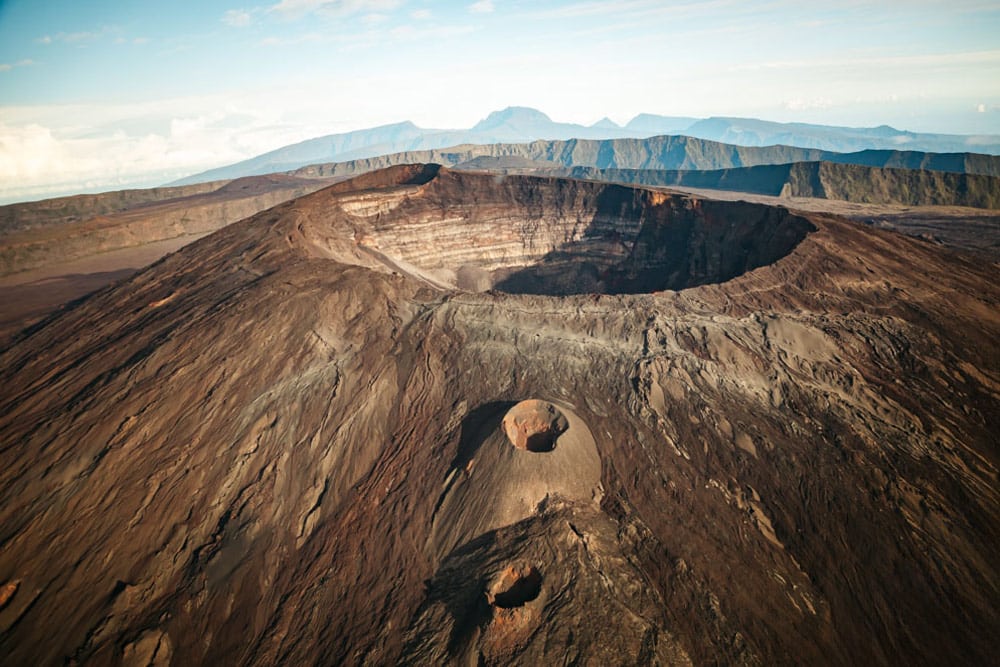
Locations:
47 279
771 439
57 250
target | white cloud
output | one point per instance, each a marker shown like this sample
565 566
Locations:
76 37
6 67
237 18
299 8
420 14
481 7
44 157
637 9
26 152
981 108
113 33
799 104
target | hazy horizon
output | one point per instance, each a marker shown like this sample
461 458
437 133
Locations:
106 96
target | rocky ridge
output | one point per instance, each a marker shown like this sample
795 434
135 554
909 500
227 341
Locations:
818 180
660 153
58 230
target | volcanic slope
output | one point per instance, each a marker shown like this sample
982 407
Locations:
753 437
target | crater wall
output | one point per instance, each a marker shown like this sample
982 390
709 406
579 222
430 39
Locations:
549 236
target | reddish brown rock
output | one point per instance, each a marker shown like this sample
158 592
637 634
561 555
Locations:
534 425
7 592
517 585
515 603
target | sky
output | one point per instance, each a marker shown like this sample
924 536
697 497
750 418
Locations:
106 94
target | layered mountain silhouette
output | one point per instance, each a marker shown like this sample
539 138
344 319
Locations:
755 132
428 416
661 153
818 180
513 124
522 124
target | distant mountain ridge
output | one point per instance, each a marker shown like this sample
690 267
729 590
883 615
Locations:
510 125
523 124
659 153
754 132
820 180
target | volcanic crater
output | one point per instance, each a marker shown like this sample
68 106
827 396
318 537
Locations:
534 425
285 443
547 236
518 585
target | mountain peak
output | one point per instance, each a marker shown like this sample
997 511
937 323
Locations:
887 131
512 116
651 123
606 124
404 125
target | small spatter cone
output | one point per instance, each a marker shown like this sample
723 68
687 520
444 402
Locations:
534 425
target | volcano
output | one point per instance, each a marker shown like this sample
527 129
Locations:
437 417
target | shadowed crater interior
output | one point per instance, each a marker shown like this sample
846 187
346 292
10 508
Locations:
516 586
671 245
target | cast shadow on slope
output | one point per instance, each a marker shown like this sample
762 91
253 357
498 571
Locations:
459 602
477 426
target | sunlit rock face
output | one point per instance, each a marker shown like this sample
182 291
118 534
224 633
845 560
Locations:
534 425
752 436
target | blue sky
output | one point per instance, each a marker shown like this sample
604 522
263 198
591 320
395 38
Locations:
106 94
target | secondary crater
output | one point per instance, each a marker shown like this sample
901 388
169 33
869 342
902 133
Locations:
516 586
530 235
534 425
